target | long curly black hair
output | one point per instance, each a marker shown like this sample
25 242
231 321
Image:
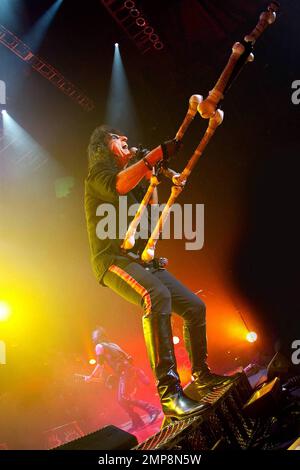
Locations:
98 150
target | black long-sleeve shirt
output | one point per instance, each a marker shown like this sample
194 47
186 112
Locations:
100 188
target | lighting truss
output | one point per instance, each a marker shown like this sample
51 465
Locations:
134 23
18 47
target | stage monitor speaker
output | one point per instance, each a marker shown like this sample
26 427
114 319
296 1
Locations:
265 400
295 445
108 438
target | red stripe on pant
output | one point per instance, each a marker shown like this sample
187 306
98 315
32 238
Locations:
135 285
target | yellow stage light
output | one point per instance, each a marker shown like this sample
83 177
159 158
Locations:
176 340
251 336
92 361
4 311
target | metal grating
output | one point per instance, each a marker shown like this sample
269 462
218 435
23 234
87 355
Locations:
224 421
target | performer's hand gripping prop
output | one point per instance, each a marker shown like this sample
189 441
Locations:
208 109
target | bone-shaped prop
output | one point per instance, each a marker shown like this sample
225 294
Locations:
194 102
179 182
129 240
241 54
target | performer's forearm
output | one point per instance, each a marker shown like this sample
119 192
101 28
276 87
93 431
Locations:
127 179
97 371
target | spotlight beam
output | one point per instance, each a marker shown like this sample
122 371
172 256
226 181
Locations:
37 33
120 109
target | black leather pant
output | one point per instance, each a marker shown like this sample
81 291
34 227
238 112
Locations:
160 293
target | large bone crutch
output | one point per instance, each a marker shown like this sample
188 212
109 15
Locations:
194 102
129 239
179 182
241 54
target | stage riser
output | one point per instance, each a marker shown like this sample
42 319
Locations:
224 423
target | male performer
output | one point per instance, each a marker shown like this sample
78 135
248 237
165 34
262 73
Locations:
126 374
111 174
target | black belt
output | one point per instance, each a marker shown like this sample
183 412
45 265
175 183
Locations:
156 263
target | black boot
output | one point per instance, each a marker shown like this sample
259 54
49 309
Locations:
152 411
205 378
160 348
136 420
196 344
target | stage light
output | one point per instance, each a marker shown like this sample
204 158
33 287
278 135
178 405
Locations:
148 30
4 311
129 4
251 336
141 22
2 96
134 13
158 45
116 44
92 362
176 340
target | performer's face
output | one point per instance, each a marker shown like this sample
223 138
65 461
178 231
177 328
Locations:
118 146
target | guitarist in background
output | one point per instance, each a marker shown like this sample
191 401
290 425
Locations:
126 375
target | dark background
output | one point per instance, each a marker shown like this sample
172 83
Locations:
247 179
